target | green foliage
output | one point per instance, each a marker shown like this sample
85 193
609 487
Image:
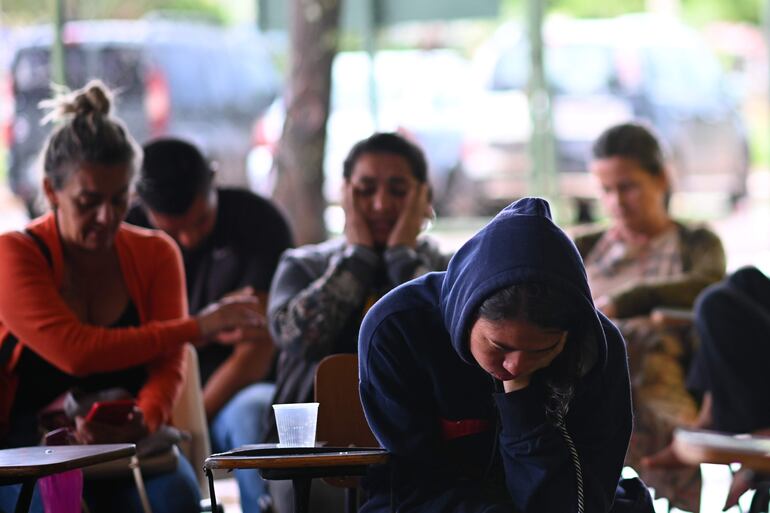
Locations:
704 11
696 11
577 8
759 141
593 9
27 11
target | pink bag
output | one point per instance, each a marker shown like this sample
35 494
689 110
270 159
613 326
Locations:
62 493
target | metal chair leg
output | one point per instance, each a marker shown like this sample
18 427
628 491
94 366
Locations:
25 497
139 480
760 503
212 494
301 486
351 500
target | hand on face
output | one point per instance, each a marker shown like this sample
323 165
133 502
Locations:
384 202
539 361
409 225
93 432
512 350
357 230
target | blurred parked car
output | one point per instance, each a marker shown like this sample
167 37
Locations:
600 73
194 80
420 93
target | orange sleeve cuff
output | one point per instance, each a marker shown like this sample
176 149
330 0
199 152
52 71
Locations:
153 416
183 330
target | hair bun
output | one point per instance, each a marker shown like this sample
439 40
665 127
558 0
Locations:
93 100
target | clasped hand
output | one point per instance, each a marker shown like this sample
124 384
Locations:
237 317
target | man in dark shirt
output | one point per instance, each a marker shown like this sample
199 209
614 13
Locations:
231 241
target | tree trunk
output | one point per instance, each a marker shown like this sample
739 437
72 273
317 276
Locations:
299 159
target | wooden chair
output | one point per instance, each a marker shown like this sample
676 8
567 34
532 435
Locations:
341 420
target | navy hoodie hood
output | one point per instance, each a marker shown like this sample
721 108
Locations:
520 245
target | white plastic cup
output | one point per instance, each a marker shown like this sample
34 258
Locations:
296 424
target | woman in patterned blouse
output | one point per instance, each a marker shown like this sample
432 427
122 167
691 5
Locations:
643 261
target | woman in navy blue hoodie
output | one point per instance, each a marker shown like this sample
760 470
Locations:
496 385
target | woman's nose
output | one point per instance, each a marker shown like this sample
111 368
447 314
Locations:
105 213
615 201
514 362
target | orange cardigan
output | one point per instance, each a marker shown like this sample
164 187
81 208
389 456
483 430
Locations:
32 308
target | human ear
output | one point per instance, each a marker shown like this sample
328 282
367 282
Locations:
50 193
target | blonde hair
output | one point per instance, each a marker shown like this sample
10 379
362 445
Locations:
86 132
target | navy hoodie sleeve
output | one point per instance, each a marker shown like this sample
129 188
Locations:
538 469
536 457
399 407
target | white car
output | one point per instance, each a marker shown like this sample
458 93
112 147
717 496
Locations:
601 73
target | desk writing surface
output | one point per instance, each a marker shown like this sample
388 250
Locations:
695 446
274 457
46 460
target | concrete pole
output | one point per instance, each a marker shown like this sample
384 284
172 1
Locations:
369 32
57 48
542 142
766 30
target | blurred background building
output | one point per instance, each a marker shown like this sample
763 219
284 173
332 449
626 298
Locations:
456 79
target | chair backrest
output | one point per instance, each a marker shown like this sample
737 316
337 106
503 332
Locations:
189 415
341 420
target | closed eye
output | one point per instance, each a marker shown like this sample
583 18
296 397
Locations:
498 347
547 349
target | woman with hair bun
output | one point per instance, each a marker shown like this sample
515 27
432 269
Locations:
90 303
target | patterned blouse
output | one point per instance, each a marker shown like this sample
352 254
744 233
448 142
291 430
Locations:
640 279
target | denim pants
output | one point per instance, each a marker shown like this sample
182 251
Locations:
240 423
172 492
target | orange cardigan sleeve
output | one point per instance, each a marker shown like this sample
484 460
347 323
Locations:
32 309
165 298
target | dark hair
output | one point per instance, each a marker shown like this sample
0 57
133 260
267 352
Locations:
631 141
546 307
87 133
388 142
174 173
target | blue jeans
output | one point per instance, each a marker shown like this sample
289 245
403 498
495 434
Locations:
238 423
172 492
